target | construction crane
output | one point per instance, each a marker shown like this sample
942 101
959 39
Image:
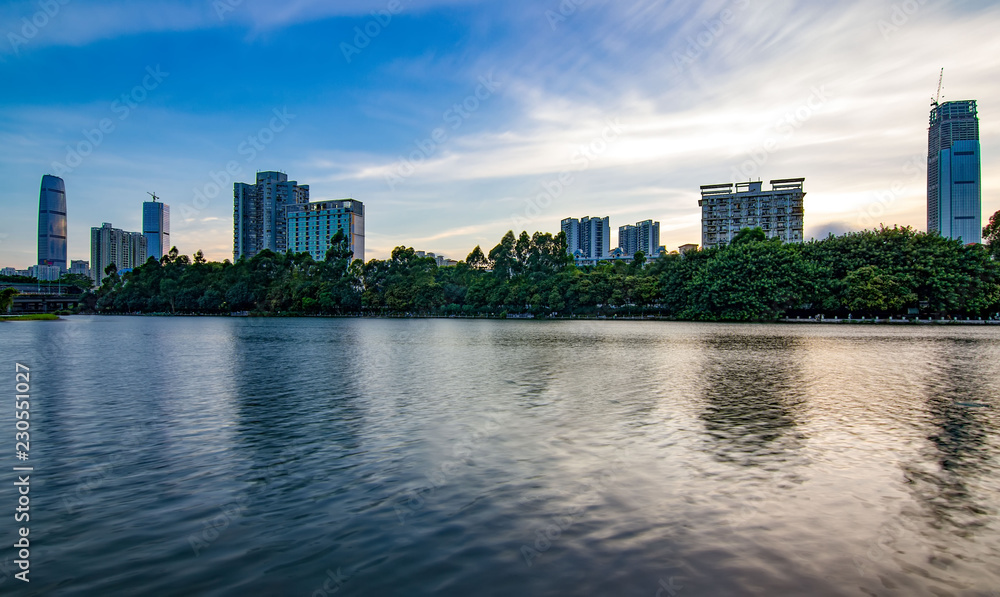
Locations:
153 195
935 101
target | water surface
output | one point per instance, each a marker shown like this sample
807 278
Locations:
237 456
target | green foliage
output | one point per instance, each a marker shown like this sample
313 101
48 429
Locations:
886 271
749 235
7 299
991 235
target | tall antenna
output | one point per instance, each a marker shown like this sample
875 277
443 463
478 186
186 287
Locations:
153 195
937 98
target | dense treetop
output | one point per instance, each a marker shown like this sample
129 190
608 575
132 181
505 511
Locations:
873 272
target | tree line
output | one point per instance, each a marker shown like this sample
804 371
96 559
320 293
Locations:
890 271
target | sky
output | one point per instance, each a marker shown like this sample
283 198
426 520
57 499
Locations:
457 120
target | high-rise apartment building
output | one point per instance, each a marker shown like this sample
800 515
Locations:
644 236
259 213
109 245
628 239
156 228
728 208
311 225
588 238
52 223
571 228
954 178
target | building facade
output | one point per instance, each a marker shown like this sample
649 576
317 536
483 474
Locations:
644 236
311 225
80 267
588 237
728 208
45 273
52 223
954 177
109 245
156 228
571 228
259 213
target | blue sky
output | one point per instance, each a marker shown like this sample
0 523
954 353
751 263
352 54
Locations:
456 120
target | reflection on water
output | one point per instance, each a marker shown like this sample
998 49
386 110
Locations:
753 395
217 456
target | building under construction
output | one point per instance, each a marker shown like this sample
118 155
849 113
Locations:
728 208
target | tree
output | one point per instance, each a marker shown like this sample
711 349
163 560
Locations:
872 290
991 234
199 257
748 235
7 298
477 259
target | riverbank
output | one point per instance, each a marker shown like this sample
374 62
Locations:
30 317
890 320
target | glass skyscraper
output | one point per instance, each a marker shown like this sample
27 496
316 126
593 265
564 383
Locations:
954 179
52 223
156 228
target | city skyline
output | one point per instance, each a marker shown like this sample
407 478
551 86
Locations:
454 122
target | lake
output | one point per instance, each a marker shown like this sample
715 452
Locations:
244 456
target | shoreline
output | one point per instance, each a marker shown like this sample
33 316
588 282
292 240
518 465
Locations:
785 320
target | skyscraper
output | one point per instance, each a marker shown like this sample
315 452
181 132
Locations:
954 178
259 214
52 223
156 227
109 245
726 210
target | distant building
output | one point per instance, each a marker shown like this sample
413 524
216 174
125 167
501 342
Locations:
45 273
156 228
728 208
8 271
259 213
571 228
644 236
688 247
440 260
109 245
311 225
592 237
954 177
80 267
52 222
